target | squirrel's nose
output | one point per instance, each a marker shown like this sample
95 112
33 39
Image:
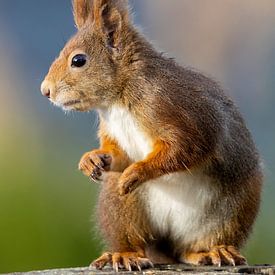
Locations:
46 88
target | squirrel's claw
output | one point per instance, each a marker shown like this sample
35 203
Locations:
125 260
93 163
103 260
218 255
95 176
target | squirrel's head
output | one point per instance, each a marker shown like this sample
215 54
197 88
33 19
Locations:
85 75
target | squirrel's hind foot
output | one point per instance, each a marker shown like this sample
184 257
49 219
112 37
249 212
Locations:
125 260
218 255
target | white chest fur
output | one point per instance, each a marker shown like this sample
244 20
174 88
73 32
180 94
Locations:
176 203
122 126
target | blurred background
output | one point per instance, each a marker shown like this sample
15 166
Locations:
45 203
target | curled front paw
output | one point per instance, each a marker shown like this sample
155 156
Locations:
131 178
93 163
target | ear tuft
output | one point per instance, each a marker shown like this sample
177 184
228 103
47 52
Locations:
110 16
82 10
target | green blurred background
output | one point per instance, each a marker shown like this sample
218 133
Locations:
45 203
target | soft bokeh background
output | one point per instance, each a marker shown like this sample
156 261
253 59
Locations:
45 203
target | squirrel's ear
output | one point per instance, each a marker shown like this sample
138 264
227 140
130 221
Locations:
82 11
111 16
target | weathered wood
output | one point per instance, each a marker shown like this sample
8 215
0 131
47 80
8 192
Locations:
163 270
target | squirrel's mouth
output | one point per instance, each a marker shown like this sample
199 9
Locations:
71 102
74 105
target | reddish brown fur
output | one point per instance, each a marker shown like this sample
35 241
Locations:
190 121
119 159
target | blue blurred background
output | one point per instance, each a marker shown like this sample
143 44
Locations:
45 203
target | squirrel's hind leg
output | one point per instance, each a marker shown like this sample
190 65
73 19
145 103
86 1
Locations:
124 226
218 255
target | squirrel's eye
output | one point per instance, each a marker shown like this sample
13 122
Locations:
79 60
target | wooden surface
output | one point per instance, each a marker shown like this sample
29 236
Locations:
163 270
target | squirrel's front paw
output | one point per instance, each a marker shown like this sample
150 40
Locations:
93 163
131 178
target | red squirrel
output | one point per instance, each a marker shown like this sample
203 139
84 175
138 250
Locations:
181 177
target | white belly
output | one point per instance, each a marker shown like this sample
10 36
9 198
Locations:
176 202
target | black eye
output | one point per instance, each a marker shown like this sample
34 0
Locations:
79 60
